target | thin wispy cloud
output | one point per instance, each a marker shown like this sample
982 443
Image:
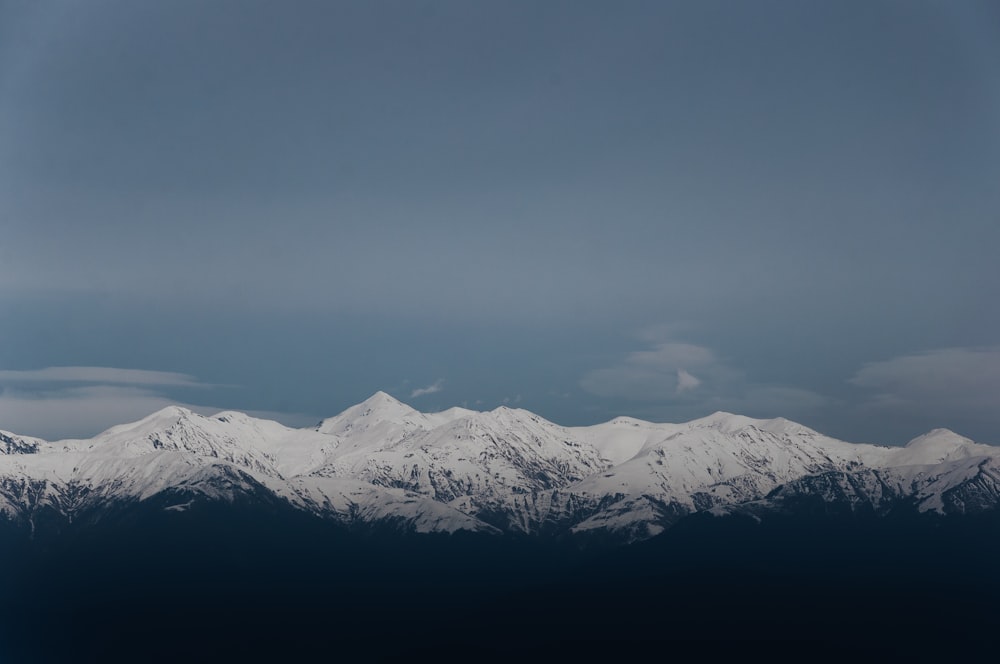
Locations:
103 375
945 380
77 401
433 388
73 412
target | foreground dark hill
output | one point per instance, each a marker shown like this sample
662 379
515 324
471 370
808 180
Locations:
250 582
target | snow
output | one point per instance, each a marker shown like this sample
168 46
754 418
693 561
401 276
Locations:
938 446
382 461
11 443
621 439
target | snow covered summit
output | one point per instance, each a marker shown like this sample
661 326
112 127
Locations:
383 463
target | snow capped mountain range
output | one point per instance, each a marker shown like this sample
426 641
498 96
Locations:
504 471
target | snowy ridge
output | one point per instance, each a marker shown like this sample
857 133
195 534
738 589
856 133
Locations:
480 463
11 443
382 462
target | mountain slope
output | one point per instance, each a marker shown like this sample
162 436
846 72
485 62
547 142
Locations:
11 443
382 463
480 463
939 472
721 459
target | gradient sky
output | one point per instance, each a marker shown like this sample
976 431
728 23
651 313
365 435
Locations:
586 209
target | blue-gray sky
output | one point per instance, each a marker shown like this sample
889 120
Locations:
586 209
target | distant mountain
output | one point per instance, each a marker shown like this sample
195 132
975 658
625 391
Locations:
382 464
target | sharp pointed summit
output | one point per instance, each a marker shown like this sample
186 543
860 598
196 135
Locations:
382 419
381 398
380 405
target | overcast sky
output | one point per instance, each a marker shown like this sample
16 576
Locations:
586 209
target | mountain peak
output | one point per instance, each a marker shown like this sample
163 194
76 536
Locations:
381 401
163 418
376 409
382 404
936 446
450 415
379 405
506 414
170 411
938 438
723 421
